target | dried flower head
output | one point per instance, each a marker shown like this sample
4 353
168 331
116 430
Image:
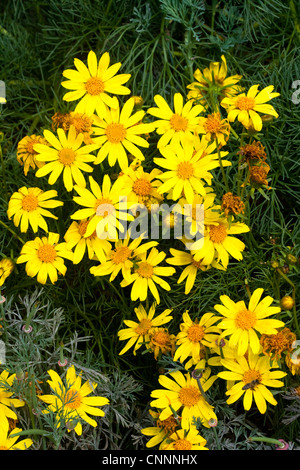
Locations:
232 204
274 345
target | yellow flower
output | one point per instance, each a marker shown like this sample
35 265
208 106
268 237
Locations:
242 323
26 155
122 257
214 128
91 84
70 400
8 439
194 336
252 377
184 439
7 403
138 332
95 247
143 185
181 394
28 206
44 257
175 126
147 274
118 132
6 268
186 168
213 77
105 207
218 243
66 156
246 107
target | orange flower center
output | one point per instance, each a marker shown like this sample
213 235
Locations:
120 254
178 123
245 103
46 253
3 448
185 170
251 375
29 146
217 233
66 156
72 399
104 207
142 187
161 337
30 202
169 424
145 269
182 444
94 86
143 327
195 333
115 132
245 320
189 396
213 123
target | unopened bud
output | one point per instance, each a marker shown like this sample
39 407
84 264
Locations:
287 302
19 373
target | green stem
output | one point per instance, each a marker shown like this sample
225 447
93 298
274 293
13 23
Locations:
222 168
11 231
269 440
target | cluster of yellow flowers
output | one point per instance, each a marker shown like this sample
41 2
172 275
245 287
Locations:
192 137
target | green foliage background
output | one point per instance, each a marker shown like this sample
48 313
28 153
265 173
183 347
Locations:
160 43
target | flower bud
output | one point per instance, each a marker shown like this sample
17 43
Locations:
287 302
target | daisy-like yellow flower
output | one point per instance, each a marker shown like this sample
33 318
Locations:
28 206
122 257
194 336
160 431
104 206
174 126
147 274
184 439
219 243
246 107
66 156
252 377
93 84
8 439
44 257
182 394
26 154
185 170
7 403
214 76
70 400
6 268
118 132
242 323
143 185
276 344
137 333
95 247
215 128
